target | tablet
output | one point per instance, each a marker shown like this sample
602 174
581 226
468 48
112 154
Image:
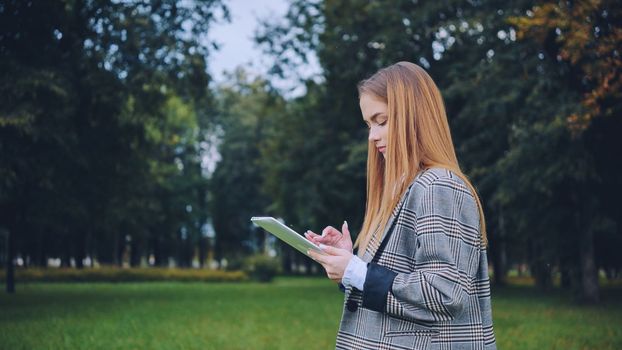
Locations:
285 234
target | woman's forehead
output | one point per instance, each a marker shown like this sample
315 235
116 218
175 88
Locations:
371 106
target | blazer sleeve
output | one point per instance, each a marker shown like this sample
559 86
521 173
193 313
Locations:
447 254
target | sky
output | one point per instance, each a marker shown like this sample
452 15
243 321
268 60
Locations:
237 48
236 41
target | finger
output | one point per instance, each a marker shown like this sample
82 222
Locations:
326 230
313 237
332 251
330 231
317 239
319 257
331 235
310 233
346 231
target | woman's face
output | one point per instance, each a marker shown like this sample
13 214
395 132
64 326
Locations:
375 116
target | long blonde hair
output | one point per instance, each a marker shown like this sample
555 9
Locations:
418 139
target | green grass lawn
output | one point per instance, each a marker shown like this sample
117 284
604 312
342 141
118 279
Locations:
291 313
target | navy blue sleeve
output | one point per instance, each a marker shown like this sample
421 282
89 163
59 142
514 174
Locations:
378 283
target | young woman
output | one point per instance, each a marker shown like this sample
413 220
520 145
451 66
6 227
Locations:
420 278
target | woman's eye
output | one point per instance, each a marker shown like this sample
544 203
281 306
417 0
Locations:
383 123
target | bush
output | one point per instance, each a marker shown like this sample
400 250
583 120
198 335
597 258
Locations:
235 263
115 274
262 268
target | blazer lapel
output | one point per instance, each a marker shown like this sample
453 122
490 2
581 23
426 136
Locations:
372 250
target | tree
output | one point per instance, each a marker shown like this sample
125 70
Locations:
583 39
510 105
246 106
81 83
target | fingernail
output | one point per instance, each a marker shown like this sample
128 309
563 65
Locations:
345 223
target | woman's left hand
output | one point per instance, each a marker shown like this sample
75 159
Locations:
334 260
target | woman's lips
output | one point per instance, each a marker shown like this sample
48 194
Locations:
382 149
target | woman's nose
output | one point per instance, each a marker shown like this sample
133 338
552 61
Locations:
373 134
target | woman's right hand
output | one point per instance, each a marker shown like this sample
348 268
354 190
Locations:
332 237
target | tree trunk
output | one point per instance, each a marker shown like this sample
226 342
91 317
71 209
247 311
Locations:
498 264
41 258
115 249
542 275
119 249
202 251
589 272
498 253
65 259
217 250
287 259
566 278
79 261
10 267
80 249
160 258
540 267
135 252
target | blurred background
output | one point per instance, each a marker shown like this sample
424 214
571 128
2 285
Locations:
137 138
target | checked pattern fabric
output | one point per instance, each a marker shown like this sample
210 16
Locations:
427 284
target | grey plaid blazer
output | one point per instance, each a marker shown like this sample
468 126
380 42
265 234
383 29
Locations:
427 284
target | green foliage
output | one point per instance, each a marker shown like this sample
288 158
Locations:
106 118
548 196
261 267
115 274
103 111
245 107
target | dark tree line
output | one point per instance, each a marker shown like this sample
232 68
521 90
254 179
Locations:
106 115
533 96
104 111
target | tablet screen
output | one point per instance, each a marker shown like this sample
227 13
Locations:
285 234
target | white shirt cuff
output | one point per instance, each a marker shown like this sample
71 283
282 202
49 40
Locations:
355 273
